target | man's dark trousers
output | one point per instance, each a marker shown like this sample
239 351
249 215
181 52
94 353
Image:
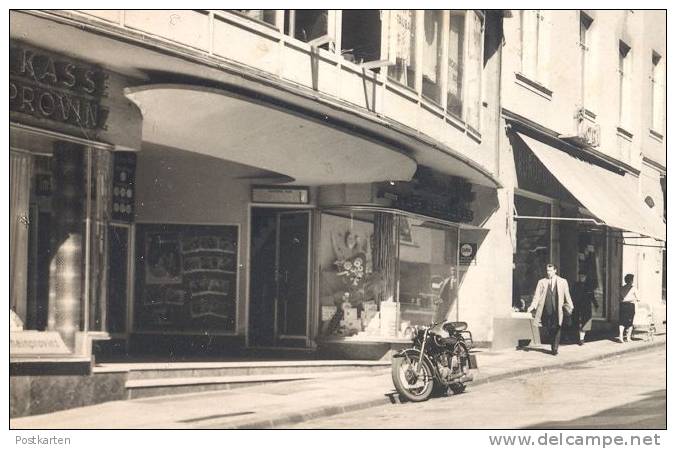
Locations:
550 318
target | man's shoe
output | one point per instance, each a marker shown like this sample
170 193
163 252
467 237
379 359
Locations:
580 343
555 352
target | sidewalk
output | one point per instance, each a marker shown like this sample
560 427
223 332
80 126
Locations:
286 403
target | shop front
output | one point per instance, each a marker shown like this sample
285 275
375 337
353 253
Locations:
66 130
578 216
393 259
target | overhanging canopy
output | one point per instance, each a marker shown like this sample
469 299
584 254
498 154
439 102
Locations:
608 196
215 123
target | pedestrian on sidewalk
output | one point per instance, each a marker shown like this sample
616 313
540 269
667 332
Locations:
554 295
583 299
628 301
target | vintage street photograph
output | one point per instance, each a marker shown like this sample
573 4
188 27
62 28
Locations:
339 219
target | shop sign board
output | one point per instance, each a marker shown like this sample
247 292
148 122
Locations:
467 253
446 198
47 86
283 195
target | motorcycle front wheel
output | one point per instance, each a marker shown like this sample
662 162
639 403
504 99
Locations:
414 386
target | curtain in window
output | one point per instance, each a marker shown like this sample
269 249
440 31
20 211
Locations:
456 56
403 24
431 66
20 172
474 66
384 254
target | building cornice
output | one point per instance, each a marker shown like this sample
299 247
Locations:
656 165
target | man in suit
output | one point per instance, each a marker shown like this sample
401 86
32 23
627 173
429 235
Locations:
551 299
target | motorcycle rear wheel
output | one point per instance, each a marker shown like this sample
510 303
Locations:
415 388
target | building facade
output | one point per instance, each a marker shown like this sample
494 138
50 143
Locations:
253 179
216 182
170 186
583 150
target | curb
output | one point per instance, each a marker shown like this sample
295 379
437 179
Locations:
331 410
540 369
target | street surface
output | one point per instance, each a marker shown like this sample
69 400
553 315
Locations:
627 392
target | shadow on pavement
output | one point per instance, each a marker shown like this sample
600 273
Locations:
648 413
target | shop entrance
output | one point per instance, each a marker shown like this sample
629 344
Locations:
278 289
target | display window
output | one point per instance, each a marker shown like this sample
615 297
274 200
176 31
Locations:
533 242
383 272
591 257
186 278
59 196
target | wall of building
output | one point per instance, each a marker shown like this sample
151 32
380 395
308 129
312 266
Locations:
641 30
174 186
324 74
486 287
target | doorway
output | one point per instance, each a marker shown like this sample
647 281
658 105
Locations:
279 281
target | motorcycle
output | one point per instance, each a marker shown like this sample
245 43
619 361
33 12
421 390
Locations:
438 361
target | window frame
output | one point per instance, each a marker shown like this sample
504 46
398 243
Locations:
624 90
585 42
657 93
538 45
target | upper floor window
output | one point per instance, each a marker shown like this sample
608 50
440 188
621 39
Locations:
465 64
432 55
403 32
456 63
474 69
657 93
361 35
624 70
264 15
308 24
534 45
586 59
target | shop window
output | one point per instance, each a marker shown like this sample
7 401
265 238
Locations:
403 31
383 273
431 57
186 278
262 15
591 258
533 252
428 273
58 199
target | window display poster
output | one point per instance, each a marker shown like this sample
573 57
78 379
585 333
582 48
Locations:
187 278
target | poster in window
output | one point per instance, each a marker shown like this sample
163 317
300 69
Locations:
189 278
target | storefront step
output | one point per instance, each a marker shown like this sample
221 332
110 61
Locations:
141 371
143 388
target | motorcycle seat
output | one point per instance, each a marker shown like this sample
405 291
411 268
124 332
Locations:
456 325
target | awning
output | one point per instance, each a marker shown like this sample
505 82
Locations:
608 196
